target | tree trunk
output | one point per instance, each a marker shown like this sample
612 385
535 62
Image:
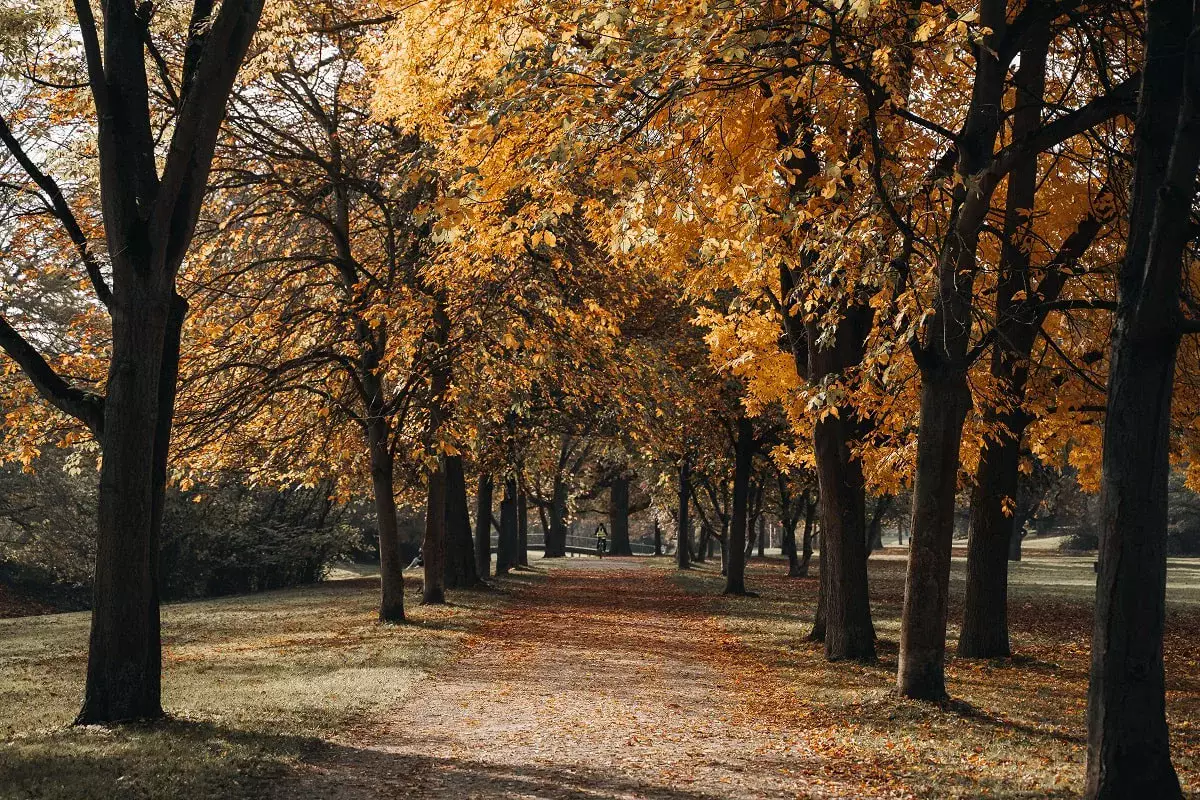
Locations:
1128 741
506 546
820 617
762 537
434 547
460 551
556 536
683 541
875 526
849 633
522 528
734 549
618 516
391 567
790 548
657 538
483 526
944 404
810 514
703 544
985 606
1014 542
124 657
1128 745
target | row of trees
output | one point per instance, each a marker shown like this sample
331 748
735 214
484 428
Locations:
741 250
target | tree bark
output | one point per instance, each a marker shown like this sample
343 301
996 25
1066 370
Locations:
849 633
522 528
460 551
820 617
985 608
790 547
1128 741
683 542
434 548
618 516
810 514
944 405
734 546
391 567
875 526
124 656
1014 542
483 526
556 535
506 546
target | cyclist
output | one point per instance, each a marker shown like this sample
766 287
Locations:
601 540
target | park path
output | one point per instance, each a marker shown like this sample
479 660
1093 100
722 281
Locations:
599 681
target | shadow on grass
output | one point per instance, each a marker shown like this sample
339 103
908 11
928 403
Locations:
975 714
172 758
202 760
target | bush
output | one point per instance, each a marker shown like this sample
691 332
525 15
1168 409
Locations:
221 539
229 539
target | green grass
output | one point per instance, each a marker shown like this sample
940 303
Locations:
251 684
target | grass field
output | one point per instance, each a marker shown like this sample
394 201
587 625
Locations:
256 685
252 684
1015 727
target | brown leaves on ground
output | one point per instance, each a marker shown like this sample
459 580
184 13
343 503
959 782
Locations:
609 679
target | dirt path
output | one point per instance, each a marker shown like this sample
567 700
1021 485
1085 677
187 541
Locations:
594 683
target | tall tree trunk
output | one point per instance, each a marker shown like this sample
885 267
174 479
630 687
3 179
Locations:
762 536
734 549
556 535
703 544
434 547
483 526
875 526
985 607
810 515
944 405
849 633
522 528
1014 542
1128 741
618 516
657 538
506 545
682 548
391 567
790 547
820 617
1128 744
941 353
460 549
124 657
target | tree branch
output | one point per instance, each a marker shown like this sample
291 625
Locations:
62 211
87 407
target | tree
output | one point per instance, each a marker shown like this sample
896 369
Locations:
149 217
1128 747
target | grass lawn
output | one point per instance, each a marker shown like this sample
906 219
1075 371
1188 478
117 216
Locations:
1015 727
252 684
